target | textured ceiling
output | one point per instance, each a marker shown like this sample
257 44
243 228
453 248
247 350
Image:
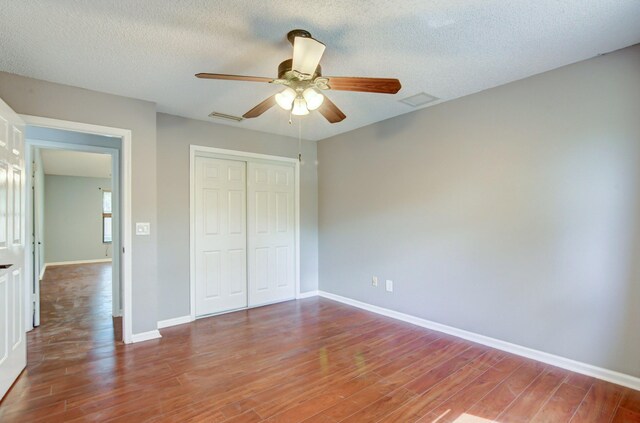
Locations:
76 163
150 49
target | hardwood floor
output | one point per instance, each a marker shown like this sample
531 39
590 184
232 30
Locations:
312 360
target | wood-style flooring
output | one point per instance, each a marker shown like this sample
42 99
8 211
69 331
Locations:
312 360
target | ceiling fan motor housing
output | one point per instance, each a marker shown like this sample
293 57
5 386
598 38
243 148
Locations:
285 70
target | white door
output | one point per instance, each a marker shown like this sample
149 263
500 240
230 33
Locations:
220 235
13 345
271 228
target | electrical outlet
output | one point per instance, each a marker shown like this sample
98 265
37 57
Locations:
389 285
374 281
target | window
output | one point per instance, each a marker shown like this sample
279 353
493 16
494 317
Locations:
106 217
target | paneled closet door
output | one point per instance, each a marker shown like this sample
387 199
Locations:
271 232
220 235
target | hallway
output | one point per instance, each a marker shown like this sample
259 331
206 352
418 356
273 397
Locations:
75 310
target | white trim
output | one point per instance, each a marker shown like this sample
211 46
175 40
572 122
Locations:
237 153
307 294
145 336
192 232
296 241
65 263
44 268
125 222
35 143
562 362
30 287
240 156
116 230
174 322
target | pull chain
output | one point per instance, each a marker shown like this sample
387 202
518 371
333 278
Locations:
299 135
300 140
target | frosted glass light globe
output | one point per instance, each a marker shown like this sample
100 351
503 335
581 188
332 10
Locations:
285 98
313 98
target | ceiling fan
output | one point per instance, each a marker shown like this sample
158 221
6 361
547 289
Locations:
302 77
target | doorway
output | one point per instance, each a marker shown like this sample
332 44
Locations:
74 220
64 136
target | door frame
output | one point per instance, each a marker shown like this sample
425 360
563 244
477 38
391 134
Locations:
126 220
243 156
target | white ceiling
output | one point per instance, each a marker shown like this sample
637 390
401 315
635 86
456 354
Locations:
150 49
76 163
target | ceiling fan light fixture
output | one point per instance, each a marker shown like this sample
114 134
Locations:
299 107
285 98
303 85
313 98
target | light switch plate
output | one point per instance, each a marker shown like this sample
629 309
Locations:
143 228
389 285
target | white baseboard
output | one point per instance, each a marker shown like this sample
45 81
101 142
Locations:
145 336
174 322
64 263
562 362
42 271
307 294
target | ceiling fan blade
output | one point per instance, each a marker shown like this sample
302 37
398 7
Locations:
307 53
261 108
366 85
233 77
331 112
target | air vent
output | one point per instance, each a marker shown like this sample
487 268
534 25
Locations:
419 99
217 115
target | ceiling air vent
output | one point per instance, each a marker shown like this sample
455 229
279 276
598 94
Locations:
419 99
217 115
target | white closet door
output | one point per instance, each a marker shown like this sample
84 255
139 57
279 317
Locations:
13 345
220 235
271 228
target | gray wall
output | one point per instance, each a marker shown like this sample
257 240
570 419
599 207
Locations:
175 134
41 98
513 213
73 218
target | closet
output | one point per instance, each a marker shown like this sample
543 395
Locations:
243 231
